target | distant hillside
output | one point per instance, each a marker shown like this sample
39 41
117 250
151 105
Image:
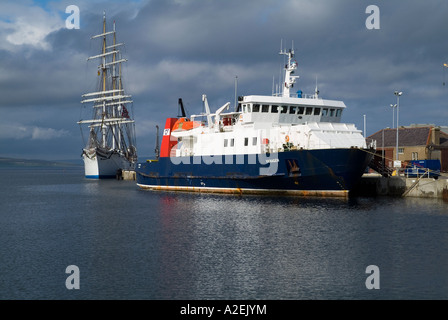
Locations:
12 162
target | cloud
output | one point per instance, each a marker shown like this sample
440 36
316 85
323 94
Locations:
26 25
17 131
183 49
48 133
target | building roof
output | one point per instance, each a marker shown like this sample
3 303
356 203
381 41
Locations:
407 137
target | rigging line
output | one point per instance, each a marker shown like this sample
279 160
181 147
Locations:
82 135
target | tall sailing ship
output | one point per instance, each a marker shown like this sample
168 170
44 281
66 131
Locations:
287 143
111 145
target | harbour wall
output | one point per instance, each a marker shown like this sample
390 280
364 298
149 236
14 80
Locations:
400 186
125 175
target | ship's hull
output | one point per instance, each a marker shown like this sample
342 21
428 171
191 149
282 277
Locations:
324 172
104 165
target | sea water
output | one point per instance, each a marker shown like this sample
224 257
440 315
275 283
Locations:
128 243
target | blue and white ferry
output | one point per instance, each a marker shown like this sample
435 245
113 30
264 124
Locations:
289 144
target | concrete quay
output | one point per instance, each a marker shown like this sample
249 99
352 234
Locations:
402 186
125 175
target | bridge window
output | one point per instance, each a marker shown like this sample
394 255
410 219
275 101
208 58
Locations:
254 141
300 111
324 112
274 109
316 111
226 142
284 109
265 108
331 112
256 108
338 112
292 110
232 142
309 111
246 142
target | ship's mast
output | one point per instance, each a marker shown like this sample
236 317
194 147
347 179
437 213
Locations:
114 59
111 119
290 68
103 67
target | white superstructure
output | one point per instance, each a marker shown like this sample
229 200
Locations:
268 124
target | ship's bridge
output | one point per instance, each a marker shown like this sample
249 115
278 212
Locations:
290 110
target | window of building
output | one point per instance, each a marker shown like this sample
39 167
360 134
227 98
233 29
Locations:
308 111
316 111
246 142
400 150
292 110
254 141
256 108
274 109
414 155
265 108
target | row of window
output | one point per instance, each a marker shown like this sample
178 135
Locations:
414 155
265 108
231 142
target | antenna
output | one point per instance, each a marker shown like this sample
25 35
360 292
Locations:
182 110
236 86
157 142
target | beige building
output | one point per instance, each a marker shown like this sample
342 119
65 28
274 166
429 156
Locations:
415 142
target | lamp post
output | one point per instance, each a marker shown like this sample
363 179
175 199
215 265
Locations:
393 106
364 126
398 94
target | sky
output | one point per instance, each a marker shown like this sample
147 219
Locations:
186 48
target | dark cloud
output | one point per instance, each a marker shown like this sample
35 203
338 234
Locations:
183 49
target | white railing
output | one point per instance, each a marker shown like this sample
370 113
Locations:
295 95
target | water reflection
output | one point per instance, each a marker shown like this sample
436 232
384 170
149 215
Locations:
227 247
134 244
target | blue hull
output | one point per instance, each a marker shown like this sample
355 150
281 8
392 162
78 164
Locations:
332 172
100 177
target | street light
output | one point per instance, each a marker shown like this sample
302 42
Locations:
364 126
393 106
398 94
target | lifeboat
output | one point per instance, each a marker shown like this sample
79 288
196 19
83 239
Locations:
183 124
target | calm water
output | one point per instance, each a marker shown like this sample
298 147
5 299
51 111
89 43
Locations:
135 244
